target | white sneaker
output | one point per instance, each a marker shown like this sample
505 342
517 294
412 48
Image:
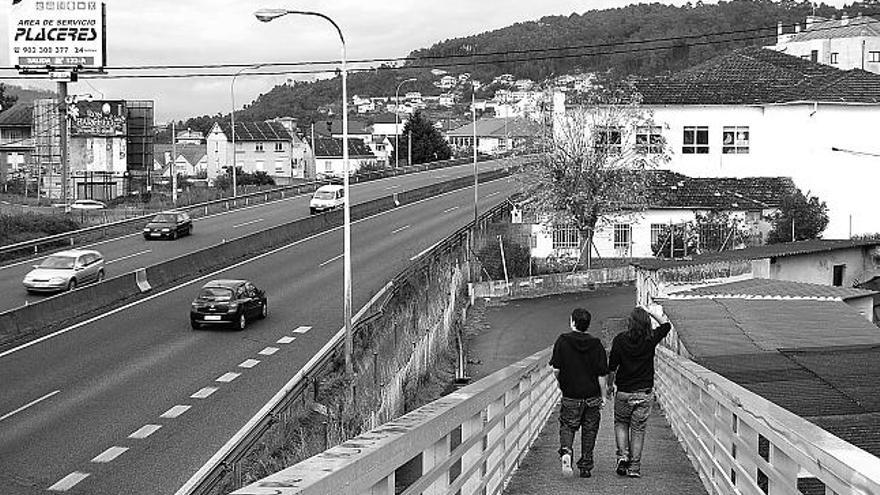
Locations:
566 466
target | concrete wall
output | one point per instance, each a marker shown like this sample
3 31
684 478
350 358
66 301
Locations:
851 54
817 268
558 283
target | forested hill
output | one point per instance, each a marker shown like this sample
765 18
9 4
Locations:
603 39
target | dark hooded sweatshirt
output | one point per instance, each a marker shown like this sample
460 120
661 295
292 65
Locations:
633 359
581 360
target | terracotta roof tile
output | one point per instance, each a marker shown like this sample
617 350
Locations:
256 131
777 288
839 28
332 147
18 115
674 190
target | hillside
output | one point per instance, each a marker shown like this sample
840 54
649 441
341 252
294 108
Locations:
510 50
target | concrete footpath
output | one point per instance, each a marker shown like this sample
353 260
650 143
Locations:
501 333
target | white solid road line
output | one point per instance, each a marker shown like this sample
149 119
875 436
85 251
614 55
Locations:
204 393
392 187
493 194
214 274
110 454
29 404
250 363
68 482
129 256
447 210
401 229
227 377
247 223
286 340
174 412
145 431
331 260
268 351
302 329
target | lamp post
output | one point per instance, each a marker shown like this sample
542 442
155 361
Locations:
232 119
266 15
397 122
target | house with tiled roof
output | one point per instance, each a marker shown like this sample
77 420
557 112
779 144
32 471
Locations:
259 147
328 156
674 204
495 135
757 112
191 159
16 141
845 43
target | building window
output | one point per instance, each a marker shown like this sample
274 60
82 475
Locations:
874 57
259 166
839 272
834 58
649 139
259 147
814 55
607 140
658 231
622 238
279 146
736 140
565 237
696 140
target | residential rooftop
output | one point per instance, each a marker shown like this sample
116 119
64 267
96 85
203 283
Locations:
674 190
256 131
851 27
776 289
495 127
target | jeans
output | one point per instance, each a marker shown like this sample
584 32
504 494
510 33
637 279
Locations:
631 412
583 414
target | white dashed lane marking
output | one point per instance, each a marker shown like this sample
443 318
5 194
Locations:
175 412
401 229
268 351
331 260
447 210
302 329
145 431
286 340
250 363
247 223
203 393
127 257
228 377
68 482
110 454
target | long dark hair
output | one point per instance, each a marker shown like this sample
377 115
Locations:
639 324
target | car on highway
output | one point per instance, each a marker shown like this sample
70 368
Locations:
168 224
65 271
87 204
328 197
228 302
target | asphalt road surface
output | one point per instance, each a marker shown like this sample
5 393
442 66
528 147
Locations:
135 401
131 252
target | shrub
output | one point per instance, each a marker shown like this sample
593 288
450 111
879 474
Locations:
20 227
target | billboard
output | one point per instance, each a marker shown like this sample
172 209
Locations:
97 119
57 34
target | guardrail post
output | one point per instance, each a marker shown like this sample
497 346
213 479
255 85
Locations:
431 457
384 487
495 459
471 428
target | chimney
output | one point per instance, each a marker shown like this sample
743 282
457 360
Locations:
810 20
844 20
797 28
779 28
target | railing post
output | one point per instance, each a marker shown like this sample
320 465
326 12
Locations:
787 469
384 487
431 457
471 428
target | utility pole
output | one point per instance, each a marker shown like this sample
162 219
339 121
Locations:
409 148
173 165
62 126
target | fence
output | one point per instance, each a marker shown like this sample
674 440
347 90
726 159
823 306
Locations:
556 283
467 442
741 443
409 321
134 224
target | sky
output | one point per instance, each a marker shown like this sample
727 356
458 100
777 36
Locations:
174 32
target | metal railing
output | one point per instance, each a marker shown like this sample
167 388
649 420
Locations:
229 458
467 442
130 225
741 443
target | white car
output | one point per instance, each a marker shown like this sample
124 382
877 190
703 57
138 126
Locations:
326 198
87 204
65 271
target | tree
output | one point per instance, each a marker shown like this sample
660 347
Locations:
808 214
594 170
6 99
428 144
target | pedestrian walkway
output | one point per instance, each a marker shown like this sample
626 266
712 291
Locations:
515 329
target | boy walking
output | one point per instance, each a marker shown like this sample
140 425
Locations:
580 365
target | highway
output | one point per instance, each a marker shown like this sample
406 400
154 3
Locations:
131 252
135 402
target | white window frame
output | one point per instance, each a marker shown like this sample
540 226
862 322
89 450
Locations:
279 146
622 239
834 58
695 147
874 57
735 140
565 237
608 139
649 139
258 147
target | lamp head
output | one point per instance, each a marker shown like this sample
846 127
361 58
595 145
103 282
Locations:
266 15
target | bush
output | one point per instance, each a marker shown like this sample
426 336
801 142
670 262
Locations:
25 226
517 256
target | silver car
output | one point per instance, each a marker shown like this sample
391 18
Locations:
65 271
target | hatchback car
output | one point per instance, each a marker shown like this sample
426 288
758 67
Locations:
228 302
65 271
169 225
327 197
87 204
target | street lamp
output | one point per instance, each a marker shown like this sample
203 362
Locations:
266 15
397 122
232 118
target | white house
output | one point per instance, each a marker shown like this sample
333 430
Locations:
389 125
259 147
448 82
328 156
845 43
495 135
757 112
675 201
191 159
190 136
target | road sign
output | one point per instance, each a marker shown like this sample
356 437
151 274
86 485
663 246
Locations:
57 34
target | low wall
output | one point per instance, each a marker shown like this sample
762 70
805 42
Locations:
557 283
29 322
654 282
469 441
